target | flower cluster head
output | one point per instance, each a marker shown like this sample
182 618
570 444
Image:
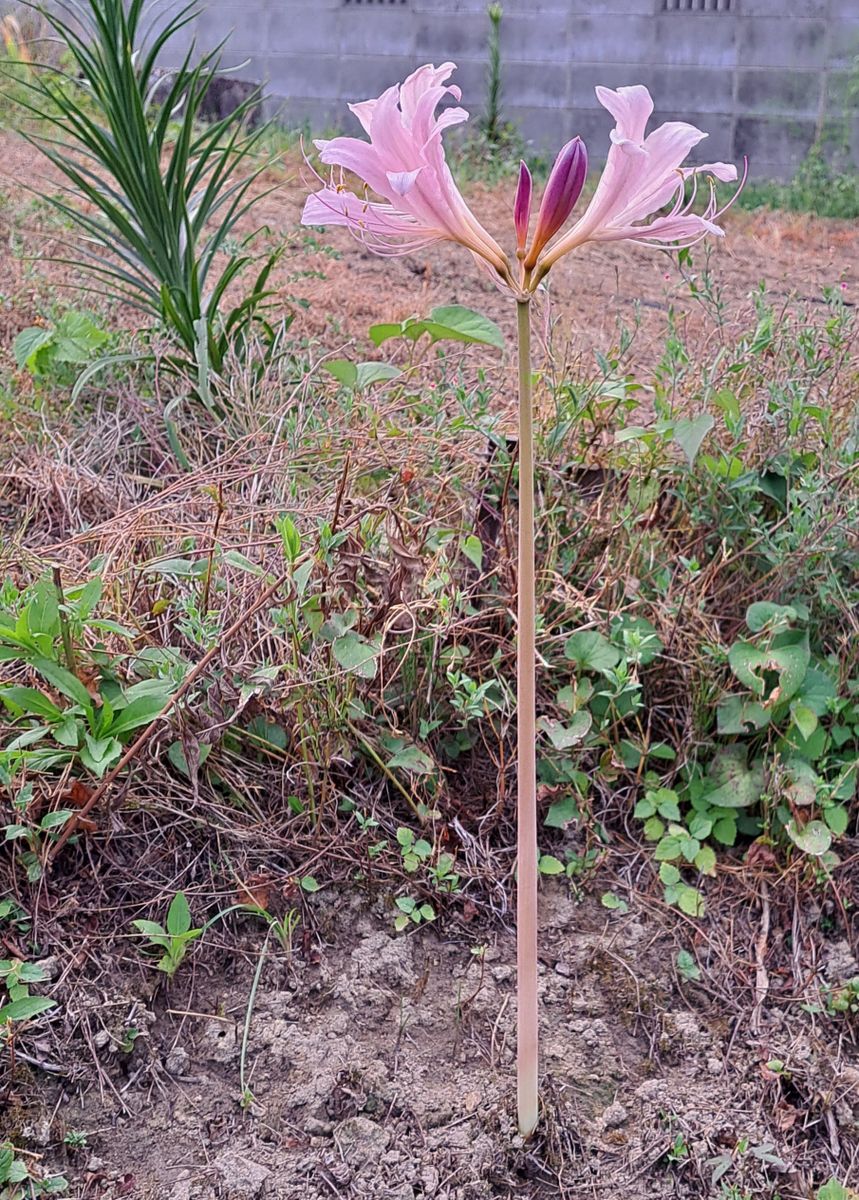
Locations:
409 197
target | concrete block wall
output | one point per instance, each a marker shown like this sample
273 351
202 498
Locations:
760 75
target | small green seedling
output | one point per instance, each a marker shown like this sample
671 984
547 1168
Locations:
20 1181
17 976
414 850
175 938
411 912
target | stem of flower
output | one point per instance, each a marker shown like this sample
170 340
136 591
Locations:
526 851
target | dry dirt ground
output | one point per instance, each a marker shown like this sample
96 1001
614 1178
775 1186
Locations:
380 1065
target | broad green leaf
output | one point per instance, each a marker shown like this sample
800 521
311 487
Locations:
687 967
472 548
705 860
736 784
180 567
737 714
802 783
789 660
411 758
28 343
454 322
53 820
613 903
359 376
233 558
837 818
77 338
152 930
549 865
31 701
690 901
775 616
141 711
590 651
565 735
384 332
669 874
355 654
562 811
727 401
64 681
309 884
689 434
25 1008
178 915
813 838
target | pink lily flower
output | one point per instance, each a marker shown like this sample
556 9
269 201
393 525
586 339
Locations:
404 163
641 176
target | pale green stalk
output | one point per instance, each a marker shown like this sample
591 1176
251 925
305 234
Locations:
526 852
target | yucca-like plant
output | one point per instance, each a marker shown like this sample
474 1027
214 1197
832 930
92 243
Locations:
163 193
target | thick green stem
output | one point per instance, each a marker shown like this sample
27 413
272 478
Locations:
526 891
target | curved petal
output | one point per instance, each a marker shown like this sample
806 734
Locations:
631 107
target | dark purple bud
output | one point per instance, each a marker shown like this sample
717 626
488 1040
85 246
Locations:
522 206
562 191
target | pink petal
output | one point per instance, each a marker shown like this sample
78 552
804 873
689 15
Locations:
402 182
631 108
725 172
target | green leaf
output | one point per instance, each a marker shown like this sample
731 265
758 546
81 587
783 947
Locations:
725 831
813 838
565 735
77 338
358 376
549 865
590 651
736 784
409 757
668 848
31 701
309 884
687 967
804 719
764 614
176 755
384 332
705 860
178 915
653 829
454 322
472 548
28 343
666 803
141 711
837 818
690 901
562 811
614 903
64 681
727 401
737 714
355 654
669 874
53 820
689 434
25 1008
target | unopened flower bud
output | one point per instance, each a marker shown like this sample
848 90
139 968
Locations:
522 206
559 199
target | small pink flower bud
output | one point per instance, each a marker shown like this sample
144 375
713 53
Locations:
562 191
522 206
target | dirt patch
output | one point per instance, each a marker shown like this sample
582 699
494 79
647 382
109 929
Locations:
381 1066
